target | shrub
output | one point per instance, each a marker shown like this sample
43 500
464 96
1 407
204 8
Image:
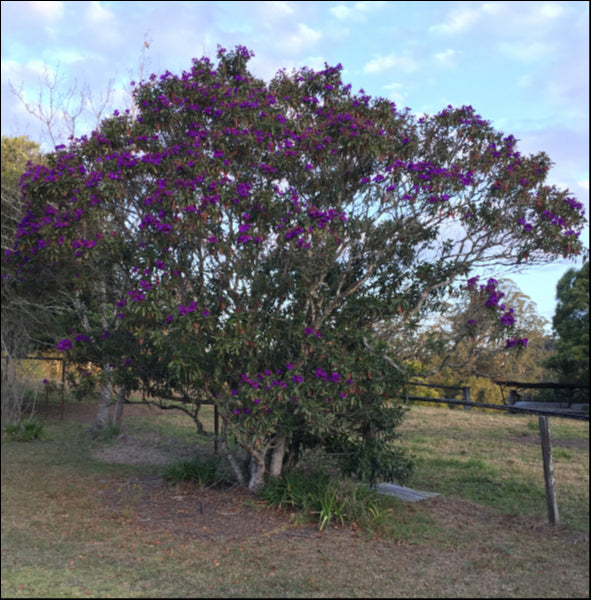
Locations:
25 431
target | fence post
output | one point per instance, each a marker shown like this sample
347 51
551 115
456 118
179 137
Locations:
63 387
216 429
548 470
466 397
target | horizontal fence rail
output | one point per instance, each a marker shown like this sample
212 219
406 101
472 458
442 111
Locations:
565 414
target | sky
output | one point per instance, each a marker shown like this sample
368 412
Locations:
524 66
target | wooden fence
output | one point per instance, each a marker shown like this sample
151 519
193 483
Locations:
47 388
512 408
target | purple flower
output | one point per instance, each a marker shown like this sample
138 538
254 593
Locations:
507 318
320 374
64 345
297 379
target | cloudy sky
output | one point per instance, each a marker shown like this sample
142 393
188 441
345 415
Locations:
522 65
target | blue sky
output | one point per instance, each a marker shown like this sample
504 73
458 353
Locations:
522 65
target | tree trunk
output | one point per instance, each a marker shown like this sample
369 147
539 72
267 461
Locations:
257 472
277 455
118 414
103 407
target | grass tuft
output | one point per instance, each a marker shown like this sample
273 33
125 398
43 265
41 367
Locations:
203 471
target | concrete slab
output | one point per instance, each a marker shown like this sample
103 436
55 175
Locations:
404 493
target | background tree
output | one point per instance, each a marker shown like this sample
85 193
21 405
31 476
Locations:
274 236
64 108
571 325
16 153
464 347
19 318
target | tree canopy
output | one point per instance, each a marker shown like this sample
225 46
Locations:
571 324
260 246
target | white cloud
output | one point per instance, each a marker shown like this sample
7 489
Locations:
48 10
584 183
301 39
492 8
396 93
457 21
526 51
279 8
384 63
341 11
33 69
98 14
358 11
447 58
550 11
368 6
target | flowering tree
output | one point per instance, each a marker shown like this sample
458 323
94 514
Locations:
477 335
268 232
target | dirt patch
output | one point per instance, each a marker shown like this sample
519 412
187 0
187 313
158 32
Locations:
130 450
185 510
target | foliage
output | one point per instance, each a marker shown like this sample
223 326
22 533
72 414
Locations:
260 246
25 431
16 153
333 501
203 471
571 324
469 350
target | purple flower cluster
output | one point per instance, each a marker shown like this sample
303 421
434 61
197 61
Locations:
308 331
493 296
516 342
66 344
273 384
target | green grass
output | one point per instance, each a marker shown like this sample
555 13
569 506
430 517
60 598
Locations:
495 460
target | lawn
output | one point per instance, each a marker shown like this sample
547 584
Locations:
94 518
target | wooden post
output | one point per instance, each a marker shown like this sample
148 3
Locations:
63 387
548 470
466 397
216 428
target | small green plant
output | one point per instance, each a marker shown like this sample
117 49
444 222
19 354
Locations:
295 489
332 508
203 471
334 501
25 431
109 432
